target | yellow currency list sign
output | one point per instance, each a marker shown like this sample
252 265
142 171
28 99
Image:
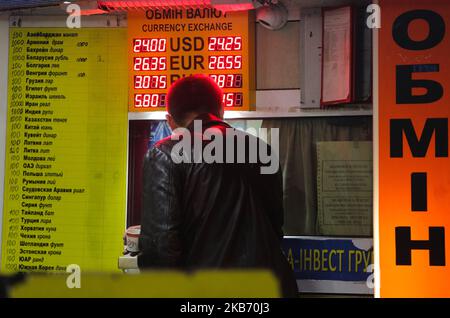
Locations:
167 44
65 180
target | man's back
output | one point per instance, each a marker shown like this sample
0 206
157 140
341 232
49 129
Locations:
212 215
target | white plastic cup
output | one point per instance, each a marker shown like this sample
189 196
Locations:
132 238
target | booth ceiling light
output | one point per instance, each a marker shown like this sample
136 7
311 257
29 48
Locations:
224 5
273 16
87 7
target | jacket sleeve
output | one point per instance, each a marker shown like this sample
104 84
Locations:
275 203
269 190
159 241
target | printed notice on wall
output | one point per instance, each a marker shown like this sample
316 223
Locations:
337 57
344 188
66 149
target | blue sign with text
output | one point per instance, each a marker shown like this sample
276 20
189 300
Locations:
329 258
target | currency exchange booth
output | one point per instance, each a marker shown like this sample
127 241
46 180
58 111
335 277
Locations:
83 89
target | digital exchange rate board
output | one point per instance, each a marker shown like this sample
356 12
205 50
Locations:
167 44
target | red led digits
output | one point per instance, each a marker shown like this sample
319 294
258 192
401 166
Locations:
227 80
224 43
228 99
149 100
238 99
149 45
151 69
225 62
152 63
233 99
150 81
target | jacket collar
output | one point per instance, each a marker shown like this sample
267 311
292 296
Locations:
208 120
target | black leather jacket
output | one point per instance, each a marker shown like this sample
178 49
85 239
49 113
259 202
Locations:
218 215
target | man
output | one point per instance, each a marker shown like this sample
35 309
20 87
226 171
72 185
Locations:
199 215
